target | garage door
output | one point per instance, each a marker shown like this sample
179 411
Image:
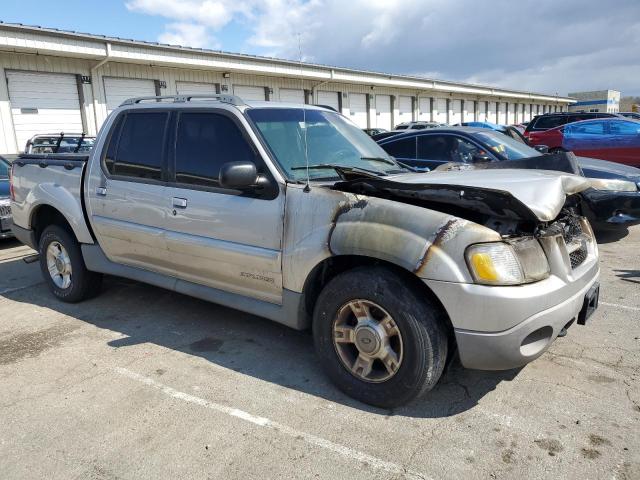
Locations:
358 109
194 88
469 106
330 99
291 95
456 112
441 110
482 111
43 103
405 109
249 94
383 112
502 113
117 90
424 106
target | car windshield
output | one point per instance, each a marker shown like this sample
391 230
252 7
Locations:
4 169
504 146
330 139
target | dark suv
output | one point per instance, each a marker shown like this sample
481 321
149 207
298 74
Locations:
557 119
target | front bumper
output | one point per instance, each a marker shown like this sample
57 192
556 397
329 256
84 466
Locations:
612 209
498 328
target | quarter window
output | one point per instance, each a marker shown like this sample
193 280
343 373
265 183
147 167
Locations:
205 141
136 146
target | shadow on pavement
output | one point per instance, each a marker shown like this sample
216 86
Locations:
244 343
7 243
632 276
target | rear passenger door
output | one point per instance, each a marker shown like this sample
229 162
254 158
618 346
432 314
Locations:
222 238
127 192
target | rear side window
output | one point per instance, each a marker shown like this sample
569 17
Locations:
205 141
402 148
551 121
136 146
4 169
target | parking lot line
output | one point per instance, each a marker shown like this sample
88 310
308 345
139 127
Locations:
342 450
624 307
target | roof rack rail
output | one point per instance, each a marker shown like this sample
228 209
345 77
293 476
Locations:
224 98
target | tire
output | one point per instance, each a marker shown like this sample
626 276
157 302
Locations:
77 283
418 321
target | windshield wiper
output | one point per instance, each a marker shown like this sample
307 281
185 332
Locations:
341 169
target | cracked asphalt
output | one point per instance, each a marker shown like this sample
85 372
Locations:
144 383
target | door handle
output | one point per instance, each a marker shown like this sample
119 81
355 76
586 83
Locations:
102 191
179 202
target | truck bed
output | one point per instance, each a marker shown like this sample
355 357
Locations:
54 180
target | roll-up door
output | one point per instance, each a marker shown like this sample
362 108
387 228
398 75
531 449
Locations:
194 88
456 112
291 95
249 94
502 113
358 109
468 114
424 105
117 90
43 103
482 111
441 110
491 113
405 109
329 99
383 111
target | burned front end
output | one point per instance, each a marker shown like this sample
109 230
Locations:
526 263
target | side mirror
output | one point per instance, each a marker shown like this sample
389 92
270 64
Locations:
481 158
238 175
541 148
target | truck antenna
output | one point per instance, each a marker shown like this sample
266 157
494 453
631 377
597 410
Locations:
307 187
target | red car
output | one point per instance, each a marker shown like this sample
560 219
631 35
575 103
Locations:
613 139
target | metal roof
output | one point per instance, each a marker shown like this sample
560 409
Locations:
265 59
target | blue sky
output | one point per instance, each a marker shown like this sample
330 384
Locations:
535 45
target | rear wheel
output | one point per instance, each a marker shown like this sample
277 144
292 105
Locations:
379 340
63 267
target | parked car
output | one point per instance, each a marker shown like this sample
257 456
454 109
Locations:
390 268
547 121
613 139
59 143
374 131
631 115
419 125
613 202
5 201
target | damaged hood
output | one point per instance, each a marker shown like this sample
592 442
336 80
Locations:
524 194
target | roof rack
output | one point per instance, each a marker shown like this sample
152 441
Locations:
232 99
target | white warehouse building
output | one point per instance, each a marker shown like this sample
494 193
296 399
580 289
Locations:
60 81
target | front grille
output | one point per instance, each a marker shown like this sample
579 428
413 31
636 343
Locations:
5 210
578 256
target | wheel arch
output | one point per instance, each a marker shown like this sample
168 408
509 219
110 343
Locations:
330 267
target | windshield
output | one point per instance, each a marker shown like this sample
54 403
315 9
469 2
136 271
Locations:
4 169
330 140
506 147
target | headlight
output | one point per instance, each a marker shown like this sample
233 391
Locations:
613 185
507 263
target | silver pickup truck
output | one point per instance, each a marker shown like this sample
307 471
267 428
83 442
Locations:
292 213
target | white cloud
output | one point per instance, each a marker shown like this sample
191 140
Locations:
187 35
537 45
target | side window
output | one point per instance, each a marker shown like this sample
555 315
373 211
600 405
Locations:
110 156
551 121
435 147
624 128
137 151
402 148
464 151
205 141
588 128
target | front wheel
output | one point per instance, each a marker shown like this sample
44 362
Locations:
378 339
63 267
